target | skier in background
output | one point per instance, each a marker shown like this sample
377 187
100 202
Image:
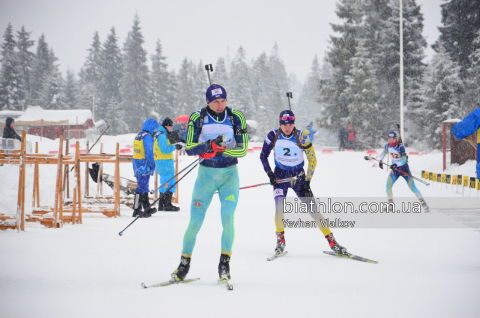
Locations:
310 131
219 136
288 145
163 153
342 135
351 137
397 152
144 167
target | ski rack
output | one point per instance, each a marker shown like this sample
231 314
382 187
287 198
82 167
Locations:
76 210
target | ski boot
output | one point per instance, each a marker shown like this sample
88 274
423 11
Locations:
224 267
168 206
181 272
137 205
147 210
424 205
280 249
161 202
388 208
336 248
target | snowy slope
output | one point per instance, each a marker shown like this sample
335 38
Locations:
89 271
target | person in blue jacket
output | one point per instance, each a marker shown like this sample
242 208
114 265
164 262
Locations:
218 134
468 126
163 153
143 167
310 131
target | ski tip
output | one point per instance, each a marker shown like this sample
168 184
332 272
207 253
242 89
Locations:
143 285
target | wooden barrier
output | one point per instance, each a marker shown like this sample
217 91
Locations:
58 212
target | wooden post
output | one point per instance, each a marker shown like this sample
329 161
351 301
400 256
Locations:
100 174
58 188
79 181
117 181
87 179
66 179
36 189
20 223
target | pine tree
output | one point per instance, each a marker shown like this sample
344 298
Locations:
262 85
25 59
10 73
91 74
51 94
70 91
277 98
161 84
362 110
442 95
472 82
185 90
111 71
332 91
220 74
461 22
240 94
135 80
388 71
308 99
200 84
41 71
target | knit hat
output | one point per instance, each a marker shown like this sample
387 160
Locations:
287 117
167 122
214 92
392 135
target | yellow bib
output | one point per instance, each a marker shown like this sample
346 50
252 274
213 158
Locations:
156 150
138 148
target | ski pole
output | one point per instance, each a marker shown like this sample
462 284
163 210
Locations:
95 142
153 191
121 232
402 172
292 180
209 69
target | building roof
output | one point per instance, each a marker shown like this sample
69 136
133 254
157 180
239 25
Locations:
34 115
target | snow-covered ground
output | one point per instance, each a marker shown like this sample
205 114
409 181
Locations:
88 270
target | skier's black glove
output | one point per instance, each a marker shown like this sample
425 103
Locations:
178 147
273 179
394 166
380 165
306 190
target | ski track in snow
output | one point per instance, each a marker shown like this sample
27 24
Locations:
90 271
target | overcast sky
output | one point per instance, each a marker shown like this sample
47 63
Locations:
197 29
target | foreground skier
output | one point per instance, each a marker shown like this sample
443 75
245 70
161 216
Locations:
219 135
288 145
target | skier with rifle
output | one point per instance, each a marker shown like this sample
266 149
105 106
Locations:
163 152
288 145
144 167
399 166
218 134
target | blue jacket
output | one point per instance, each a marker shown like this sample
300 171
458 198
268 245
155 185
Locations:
144 167
468 126
164 165
311 132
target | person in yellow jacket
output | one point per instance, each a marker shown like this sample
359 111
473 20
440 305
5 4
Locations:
163 153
